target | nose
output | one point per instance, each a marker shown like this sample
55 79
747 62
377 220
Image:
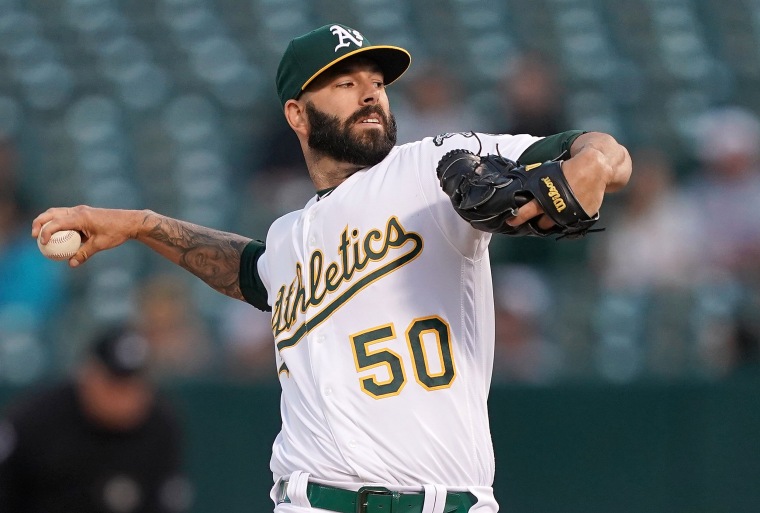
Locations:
370 98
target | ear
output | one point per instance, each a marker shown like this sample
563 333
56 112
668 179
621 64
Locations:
295 114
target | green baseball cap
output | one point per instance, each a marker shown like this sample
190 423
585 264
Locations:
310 54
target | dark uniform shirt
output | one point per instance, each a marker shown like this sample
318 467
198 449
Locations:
52 459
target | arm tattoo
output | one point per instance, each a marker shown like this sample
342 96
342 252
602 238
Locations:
211 255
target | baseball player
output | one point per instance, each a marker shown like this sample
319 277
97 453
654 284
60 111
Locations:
380 287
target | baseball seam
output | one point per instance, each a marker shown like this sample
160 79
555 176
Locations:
57 239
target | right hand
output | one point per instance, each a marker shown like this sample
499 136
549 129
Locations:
590 173
100 228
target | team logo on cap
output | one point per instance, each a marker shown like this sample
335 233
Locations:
346 38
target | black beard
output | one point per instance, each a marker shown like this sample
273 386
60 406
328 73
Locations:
334 139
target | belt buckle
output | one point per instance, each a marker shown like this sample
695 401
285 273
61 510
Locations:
364 492
282 492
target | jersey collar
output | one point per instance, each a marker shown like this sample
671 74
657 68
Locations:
325 192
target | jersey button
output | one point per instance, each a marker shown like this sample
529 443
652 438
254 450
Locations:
328 391
312 240
320 339
352 444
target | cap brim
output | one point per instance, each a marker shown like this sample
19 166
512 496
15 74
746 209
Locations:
393 61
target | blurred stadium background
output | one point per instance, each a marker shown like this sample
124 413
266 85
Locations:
639 395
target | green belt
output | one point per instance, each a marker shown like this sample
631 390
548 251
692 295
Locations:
373 499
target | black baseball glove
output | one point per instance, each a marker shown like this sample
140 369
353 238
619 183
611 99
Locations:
488 190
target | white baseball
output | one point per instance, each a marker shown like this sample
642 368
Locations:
62 245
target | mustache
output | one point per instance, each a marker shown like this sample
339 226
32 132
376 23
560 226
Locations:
367 111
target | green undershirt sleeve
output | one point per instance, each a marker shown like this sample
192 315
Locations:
251 285
549 148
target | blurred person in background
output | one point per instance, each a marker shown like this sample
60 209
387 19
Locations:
724 190
432 103
32 288
645 264
102 441
27 281
180 340
531 97
652 243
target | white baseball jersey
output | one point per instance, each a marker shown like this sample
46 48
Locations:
382 312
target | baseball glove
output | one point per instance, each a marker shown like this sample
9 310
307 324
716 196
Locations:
488 190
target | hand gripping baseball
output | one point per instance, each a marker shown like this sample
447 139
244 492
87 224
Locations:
101 229
487 191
